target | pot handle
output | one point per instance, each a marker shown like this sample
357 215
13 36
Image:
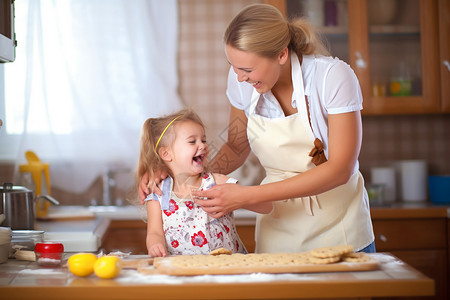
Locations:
49 199
7 186
42 206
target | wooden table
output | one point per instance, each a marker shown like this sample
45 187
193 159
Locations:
25 280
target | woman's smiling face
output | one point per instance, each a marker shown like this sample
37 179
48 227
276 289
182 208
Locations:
261 72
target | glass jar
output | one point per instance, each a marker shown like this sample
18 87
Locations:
49 254
26 239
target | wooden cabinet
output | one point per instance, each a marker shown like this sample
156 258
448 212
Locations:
7 38
130 235
247 235
421 243
444 50
397 48
126 236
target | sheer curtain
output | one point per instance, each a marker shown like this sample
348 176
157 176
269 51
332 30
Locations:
87 74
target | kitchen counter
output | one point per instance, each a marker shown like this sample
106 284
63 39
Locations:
26 280
402 210
83 228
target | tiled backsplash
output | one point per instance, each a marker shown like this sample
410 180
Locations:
203 71
391 138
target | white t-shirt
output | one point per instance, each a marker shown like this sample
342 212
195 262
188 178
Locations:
330 85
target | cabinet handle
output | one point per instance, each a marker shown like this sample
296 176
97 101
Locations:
382 238
447 64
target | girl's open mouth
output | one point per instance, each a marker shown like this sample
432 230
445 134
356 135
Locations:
199 158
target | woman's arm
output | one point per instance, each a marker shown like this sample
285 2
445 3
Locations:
156 241
235 151
345 135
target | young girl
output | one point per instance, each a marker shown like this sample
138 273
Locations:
176 225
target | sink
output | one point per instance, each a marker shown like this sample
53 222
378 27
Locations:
129 212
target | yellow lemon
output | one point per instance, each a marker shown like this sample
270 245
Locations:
82 264
108 267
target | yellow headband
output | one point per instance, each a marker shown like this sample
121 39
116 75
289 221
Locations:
164 131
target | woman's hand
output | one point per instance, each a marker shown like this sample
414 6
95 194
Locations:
154 183
221 199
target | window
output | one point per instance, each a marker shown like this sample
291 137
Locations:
87 74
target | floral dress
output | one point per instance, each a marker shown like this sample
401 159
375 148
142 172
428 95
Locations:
188 228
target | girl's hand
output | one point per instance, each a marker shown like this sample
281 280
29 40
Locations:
220 199
154 183
157 250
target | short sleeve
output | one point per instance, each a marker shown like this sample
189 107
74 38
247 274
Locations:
166 188
342 90
232 180
238 93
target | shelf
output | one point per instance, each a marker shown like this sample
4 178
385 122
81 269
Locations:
331 30
394 29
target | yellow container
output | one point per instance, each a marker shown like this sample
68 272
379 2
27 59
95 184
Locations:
36 168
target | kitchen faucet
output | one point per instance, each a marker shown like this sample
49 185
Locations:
108 185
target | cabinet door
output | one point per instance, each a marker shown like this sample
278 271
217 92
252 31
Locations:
402 72
432 263
126 236
444 43
392 45
7 38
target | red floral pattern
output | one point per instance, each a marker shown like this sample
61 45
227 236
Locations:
189 204
173 207
199 239
189 230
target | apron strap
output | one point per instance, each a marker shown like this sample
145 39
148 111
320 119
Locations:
308 204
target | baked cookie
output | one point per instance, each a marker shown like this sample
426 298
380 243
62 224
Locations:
219 251
324 260
355 257
327 252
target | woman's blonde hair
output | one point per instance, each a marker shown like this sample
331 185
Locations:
152 131
262 29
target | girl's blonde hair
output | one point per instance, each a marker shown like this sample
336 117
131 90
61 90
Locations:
262 29
153 128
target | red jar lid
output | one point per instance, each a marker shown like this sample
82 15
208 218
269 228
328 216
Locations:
49 247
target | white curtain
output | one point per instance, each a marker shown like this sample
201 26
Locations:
87 74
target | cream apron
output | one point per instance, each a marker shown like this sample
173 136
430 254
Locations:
339 216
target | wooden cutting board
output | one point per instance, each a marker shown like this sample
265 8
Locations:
135 263
222 264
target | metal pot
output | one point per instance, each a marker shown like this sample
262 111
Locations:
18 207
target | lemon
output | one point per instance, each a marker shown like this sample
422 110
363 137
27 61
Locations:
82 264
108 267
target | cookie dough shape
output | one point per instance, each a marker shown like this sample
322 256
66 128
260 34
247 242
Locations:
219 251
328 252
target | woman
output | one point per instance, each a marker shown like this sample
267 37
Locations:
299 112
